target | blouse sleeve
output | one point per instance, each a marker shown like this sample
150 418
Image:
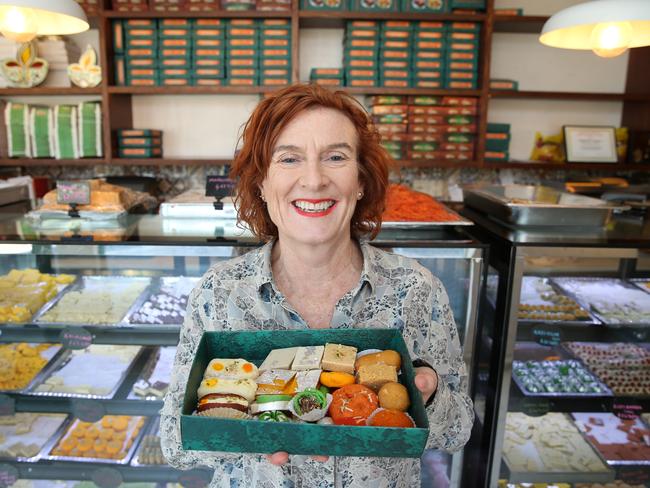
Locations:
431 335
199 306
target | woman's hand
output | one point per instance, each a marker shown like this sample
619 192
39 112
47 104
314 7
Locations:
426 380
281 457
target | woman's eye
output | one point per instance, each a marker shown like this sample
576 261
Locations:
337 157
288 160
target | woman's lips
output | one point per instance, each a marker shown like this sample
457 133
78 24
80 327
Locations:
319 213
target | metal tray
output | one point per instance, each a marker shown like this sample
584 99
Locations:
54 435
152 429
61 289
586 292
539 205
558 476
406 225
594 445
148 370
155 288
61 361
529 295
51 354
641 283
605 393
79 285
64 430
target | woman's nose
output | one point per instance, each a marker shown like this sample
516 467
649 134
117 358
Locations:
313 175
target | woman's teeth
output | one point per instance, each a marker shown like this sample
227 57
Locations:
313 207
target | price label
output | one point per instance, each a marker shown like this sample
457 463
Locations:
219 186
8 475
547 336
627 408
75 338
73 192
7 405
107 477
194 479
88 410
535 407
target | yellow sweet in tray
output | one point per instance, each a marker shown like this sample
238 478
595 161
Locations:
19 364
24 292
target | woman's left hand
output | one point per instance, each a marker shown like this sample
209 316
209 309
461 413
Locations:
426 381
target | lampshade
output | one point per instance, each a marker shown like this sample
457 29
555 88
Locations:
608 27
22 20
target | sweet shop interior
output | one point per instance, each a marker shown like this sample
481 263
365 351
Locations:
125 148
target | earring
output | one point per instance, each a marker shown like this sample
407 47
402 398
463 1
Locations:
262 197
359 195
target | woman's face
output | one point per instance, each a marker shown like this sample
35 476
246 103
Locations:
312 185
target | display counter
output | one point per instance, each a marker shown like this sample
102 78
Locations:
564 357
112 301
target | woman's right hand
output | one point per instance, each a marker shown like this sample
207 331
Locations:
279 458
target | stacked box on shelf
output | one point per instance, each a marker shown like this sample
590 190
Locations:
141 49
202 5
242 52
175 51
327 76
90 129
167 5
91 7
463 40
238 4
208 52
119 60
390 117
275 48
429 64
467 4
130 5
395 54
441 128
361 53
139 143
374 6
430 6
273 5
497 142
323 5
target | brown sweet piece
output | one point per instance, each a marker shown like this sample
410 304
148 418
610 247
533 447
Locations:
384 357
394 396
375 376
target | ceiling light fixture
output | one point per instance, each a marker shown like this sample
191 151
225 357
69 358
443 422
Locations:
607 27
22 20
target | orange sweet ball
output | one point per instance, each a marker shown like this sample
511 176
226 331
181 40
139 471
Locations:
352 405
391 418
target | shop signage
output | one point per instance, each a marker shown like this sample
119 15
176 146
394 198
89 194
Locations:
8 475
7 405
88 410
590 144
546 335
73 192
107 478
627 408
75 338
219 186
535 407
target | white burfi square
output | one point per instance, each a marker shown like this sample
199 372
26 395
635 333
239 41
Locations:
338 357
279 359
308 357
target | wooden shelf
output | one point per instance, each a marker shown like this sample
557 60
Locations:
51 162
535 165
313 14
438 164
542 95
220 14
190 90
58 91
169 162
520 24
411 91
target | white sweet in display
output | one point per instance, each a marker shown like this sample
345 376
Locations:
25 434
95 370
308 357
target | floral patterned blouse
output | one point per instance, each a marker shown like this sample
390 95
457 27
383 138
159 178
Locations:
393 292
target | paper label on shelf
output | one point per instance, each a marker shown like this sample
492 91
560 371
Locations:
8 475
88 410
535 407
68 192
547 335
627 408
7 405
107 478
75 338
194 479
218 186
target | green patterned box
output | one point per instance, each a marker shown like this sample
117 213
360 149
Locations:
213 434
323 5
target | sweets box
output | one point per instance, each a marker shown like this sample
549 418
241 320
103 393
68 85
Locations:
323 4
374 5
198 433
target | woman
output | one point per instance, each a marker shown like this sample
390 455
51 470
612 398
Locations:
312 181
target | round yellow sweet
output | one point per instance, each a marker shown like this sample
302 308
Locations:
92 433
106 434
84 445
120 423
100 445
107 421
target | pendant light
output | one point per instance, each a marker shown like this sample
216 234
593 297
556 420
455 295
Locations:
22 20
607 27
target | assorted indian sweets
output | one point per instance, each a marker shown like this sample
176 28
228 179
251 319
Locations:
154 379
406 205
21 362
24 434
557 377
24 292
328 384
167 305
540 301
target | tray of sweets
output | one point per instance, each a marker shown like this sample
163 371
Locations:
619 442
541 302
612 301
164 302
24 434
149 452
113 439
623 367
550 448
94 372
154 380
93 300
21 362
562 378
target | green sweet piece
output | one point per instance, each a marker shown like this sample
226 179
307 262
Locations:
325 390
276 416
272 398
310 396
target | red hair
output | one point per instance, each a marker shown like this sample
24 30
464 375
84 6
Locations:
261 132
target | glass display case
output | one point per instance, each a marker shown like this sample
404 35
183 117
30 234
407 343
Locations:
568 324
96 311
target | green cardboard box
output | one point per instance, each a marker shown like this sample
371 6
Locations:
497 145
374 6
438 6
498 127
322 5
225 435
470 4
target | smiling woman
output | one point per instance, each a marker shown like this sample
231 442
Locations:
312 181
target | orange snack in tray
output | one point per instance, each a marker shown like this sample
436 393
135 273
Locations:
352 405
406 205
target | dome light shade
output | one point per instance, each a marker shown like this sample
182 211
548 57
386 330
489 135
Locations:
607 27
22 20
